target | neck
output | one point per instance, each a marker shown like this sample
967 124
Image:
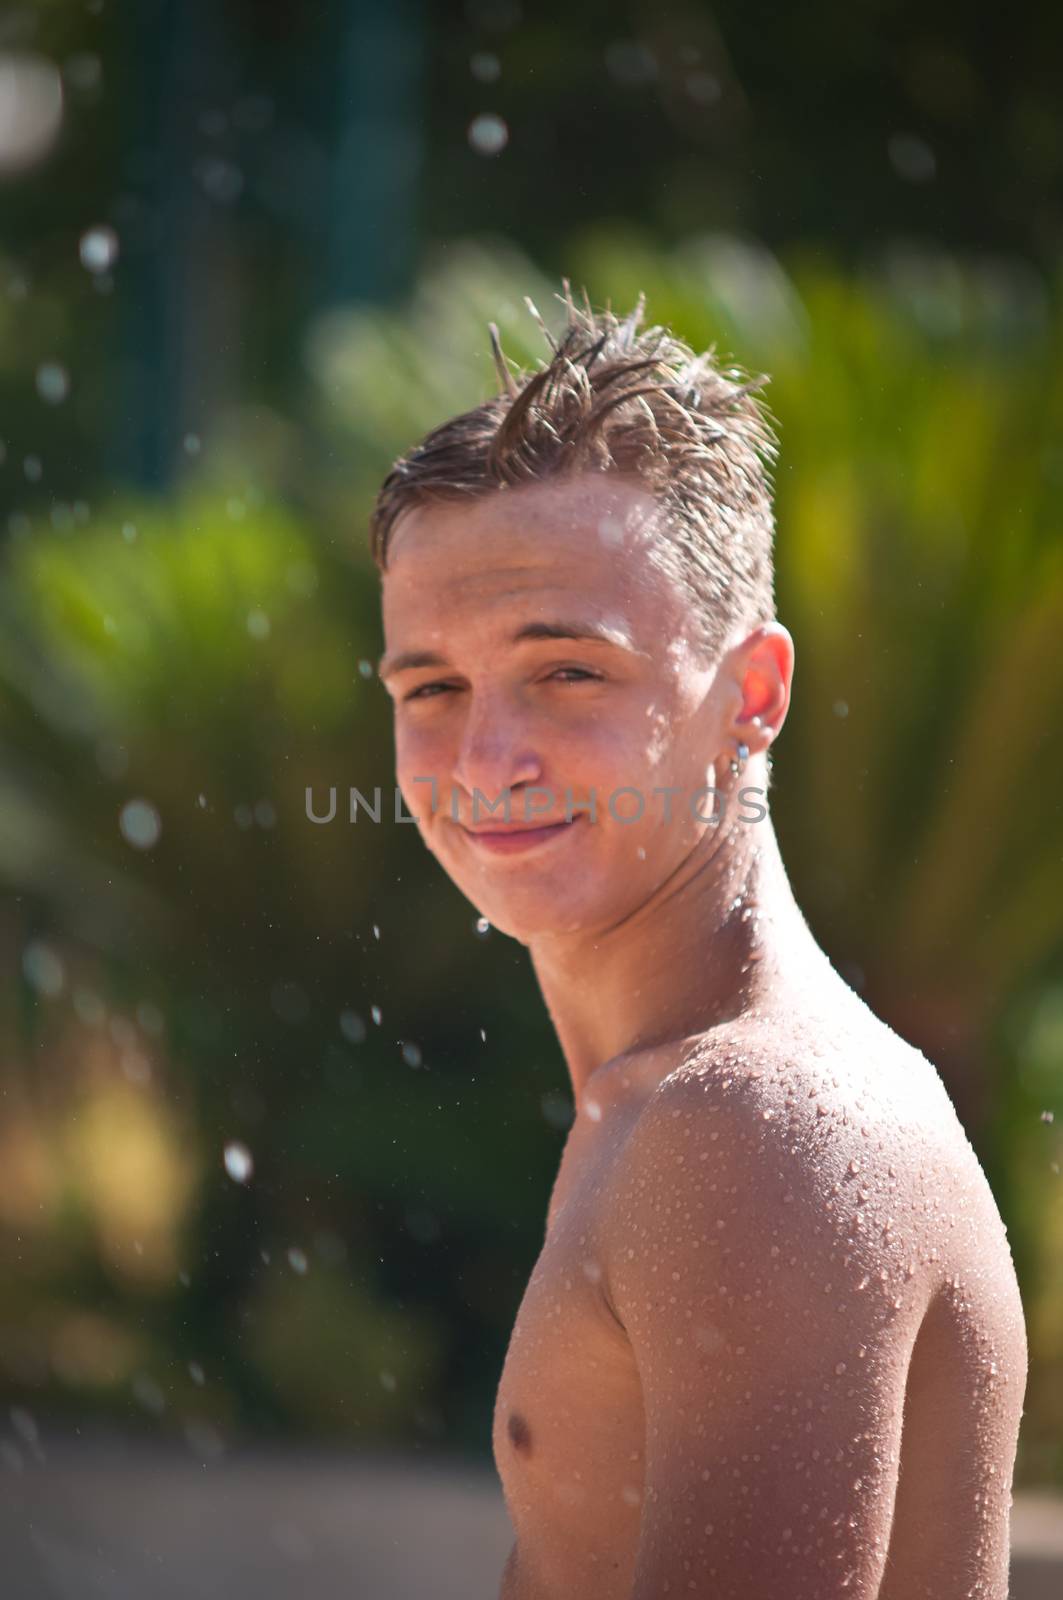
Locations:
720 938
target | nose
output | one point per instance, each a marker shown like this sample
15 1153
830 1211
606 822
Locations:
494 754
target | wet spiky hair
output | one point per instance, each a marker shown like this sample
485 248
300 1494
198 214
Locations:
640 404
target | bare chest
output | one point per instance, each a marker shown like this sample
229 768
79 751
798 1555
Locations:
568 1423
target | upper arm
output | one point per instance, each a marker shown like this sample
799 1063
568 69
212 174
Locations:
770 1352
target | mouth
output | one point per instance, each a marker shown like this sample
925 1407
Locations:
515 841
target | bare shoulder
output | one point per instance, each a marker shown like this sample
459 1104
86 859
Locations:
824 1109
809 1269
826 1166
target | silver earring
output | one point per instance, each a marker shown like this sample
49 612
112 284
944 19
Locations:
739 766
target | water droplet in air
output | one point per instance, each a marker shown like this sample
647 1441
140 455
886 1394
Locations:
485 67
149 1394
140 824
43 969
31 106
488 134
53 382
352 1027
24 1425
98 249
239 1163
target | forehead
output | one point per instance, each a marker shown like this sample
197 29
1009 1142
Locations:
591 539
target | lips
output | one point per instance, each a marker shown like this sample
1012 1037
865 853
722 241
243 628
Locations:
520 827
516 839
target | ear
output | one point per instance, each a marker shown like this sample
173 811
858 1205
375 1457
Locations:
763 670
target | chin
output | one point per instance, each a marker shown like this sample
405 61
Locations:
540 913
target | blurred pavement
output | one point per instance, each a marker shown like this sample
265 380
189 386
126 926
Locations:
101 1516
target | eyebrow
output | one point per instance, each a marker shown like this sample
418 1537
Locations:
588 632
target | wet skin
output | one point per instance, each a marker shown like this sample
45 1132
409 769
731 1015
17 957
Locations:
772 1346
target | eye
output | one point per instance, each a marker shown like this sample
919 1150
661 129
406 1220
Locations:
425 691
584 675
421 693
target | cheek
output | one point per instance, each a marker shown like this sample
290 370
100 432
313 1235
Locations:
637 753
422 739
655 753
420 753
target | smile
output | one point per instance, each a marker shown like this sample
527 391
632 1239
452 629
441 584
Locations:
514 841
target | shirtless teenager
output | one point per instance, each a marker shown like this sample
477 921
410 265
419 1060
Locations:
773 1345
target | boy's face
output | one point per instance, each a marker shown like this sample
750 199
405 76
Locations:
568 716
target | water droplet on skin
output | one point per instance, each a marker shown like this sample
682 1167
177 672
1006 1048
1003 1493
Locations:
594 1110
